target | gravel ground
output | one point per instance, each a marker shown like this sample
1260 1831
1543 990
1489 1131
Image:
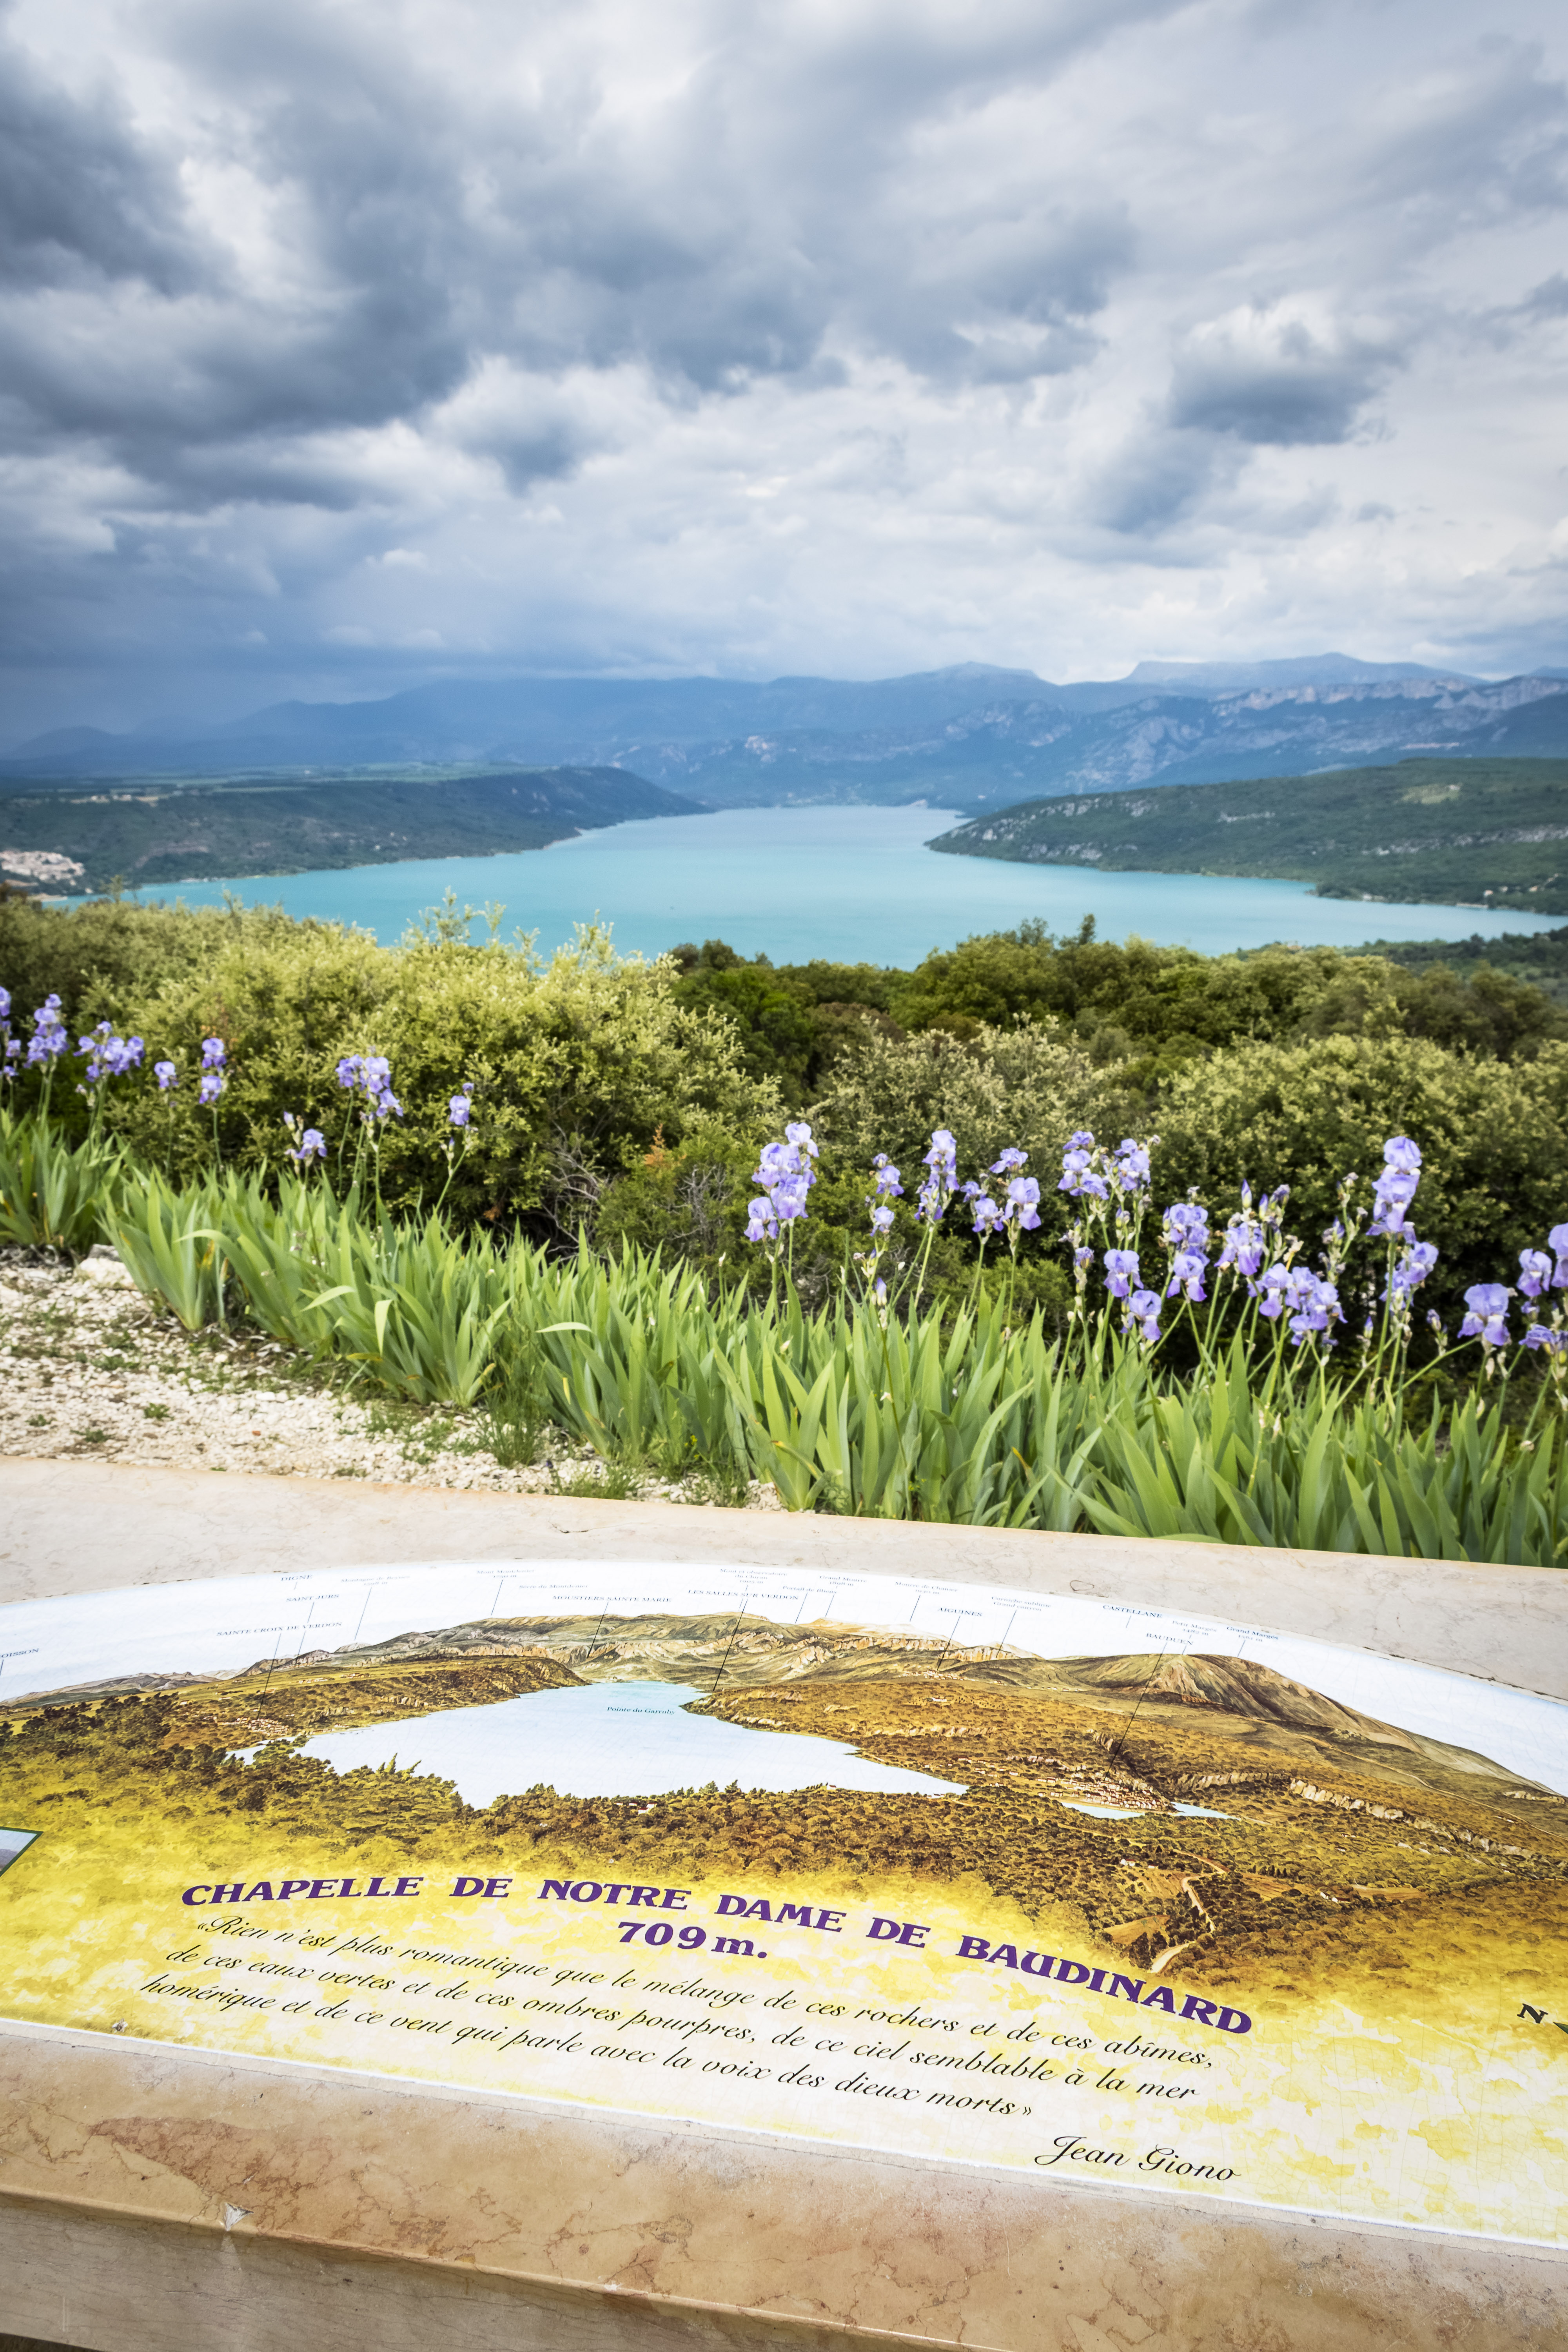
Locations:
90 1366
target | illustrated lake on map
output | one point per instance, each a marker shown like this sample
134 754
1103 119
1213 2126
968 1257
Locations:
1055 1885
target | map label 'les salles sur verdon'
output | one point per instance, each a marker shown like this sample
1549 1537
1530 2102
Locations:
1051 1884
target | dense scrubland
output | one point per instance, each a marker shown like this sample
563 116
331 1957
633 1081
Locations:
469 1173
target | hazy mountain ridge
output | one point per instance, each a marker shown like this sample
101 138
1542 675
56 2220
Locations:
966 736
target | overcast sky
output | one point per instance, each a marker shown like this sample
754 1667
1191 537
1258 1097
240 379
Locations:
343 344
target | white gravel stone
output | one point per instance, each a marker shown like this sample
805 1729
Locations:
90 1367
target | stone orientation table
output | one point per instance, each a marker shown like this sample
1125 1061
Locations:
169 2194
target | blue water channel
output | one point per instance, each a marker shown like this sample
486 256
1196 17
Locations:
610 1739
856 885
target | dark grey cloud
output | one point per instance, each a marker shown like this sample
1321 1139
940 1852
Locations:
1269 377
711 336
1157 480
81 199
1547 300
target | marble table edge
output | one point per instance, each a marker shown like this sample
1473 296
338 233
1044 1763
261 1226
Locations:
665 1531
659 2132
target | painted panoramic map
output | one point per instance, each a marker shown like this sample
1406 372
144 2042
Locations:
1050 1885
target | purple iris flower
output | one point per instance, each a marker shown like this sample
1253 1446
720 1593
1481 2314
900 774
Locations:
1023 1203
350 1069
1188 1268
1132 1163
1390 1204
312 1145
166 1075
1245 1241
97 1045
4 1004
884 1177
933 1195
784 1175
1410 1271
1078 1178
1396 1189
215 1053
50 1036
210 1089
881 1218
1541 1335
1011 1157
1274 1286
1142 1314
1534 1272
1121 1271
1186 1225
112 1056
459 1109
1557 1243
986 1214
1317 1304
1488 1318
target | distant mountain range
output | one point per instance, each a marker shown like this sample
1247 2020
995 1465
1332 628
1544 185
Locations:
968 737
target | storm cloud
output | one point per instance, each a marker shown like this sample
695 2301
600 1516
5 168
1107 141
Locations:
345 345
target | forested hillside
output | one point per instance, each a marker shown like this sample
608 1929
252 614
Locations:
161 832
1475 832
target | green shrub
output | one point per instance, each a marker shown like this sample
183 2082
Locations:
573 1062
1494 1138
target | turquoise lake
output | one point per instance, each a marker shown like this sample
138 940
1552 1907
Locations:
609 1739
856 885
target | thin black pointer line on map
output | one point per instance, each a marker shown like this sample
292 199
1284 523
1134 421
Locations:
827 1594
1143 1694
277 1645
731 1643
304 1630
1126 1733
597 1631
364 1605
